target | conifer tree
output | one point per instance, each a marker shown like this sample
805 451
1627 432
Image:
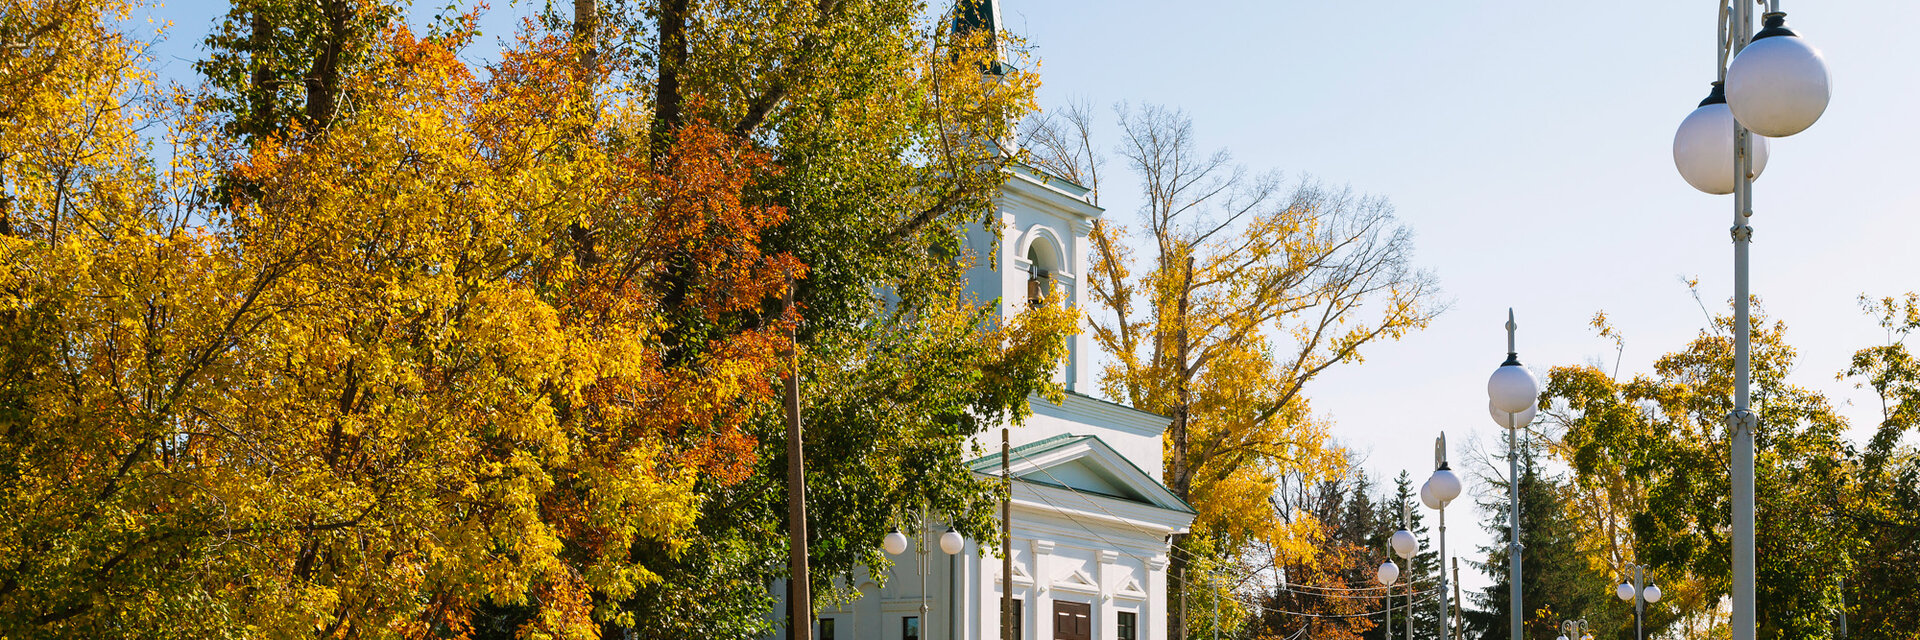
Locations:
1556 581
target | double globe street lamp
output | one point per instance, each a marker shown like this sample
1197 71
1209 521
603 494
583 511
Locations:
1439 490
1635 589
1776 85
1512 393
895 543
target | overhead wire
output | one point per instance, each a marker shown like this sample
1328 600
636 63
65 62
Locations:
1425 595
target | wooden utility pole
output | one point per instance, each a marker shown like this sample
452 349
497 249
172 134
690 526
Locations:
799 584
1006 539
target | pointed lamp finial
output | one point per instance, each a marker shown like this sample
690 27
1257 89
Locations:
1440 451
1513 355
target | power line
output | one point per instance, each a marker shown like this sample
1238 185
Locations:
1076 521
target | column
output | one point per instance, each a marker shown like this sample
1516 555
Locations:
1153 625
1039 611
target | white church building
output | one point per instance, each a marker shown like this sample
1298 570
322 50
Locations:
1091 521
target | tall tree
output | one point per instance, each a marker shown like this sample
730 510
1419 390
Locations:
1883 510
380 390
1249 290
1663 436
883 128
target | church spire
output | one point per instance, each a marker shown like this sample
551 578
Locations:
976 16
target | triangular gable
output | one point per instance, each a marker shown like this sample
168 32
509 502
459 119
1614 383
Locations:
1085 476
1131 589
1077 581
1083 464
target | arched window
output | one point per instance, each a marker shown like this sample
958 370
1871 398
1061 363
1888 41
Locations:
1042 262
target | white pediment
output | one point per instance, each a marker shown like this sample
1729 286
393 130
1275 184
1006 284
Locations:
1077 580
1131 589
1084 465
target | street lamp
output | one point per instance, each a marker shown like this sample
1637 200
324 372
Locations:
1405 546
1386 574
1635 588
896 543
1776 86
1439 490
1512 392
1575 630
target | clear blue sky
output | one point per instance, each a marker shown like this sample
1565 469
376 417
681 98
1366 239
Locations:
1528 145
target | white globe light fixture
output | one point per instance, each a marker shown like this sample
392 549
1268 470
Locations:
895 543
1521 419
951 542
1512 388
1624 591
1778 85
1703 147
1426 495
1652 593
1388 573
1404 545
1446 485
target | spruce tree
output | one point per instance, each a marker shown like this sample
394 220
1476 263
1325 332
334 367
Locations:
1556 582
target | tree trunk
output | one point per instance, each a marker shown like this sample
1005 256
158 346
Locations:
259 82
323 80
586 23
1180 477
673 56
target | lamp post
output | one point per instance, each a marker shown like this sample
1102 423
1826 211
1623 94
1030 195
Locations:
896 543
1406 546
1776 85
1439 490
1635 588
1512 392
1386 574
1575 630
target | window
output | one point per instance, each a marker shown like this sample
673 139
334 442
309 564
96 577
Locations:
1129 624
826 629
1019 633
1042 265
910 628
1038 288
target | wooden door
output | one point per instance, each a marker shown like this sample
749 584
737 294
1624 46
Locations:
1072 620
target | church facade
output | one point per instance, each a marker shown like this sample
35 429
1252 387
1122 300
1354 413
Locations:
1091 521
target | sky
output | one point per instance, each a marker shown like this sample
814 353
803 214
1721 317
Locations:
1528 146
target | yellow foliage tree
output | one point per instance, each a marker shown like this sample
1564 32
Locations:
1245 293
345 382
